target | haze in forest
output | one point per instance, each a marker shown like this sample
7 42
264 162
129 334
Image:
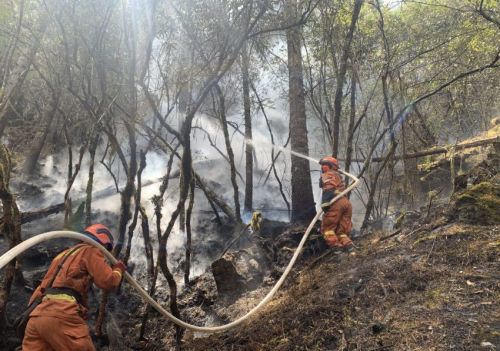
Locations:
173 122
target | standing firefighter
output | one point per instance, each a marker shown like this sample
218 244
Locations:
336 225
58 322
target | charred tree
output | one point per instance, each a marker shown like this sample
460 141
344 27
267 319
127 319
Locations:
157 201
189 252
148 247
71 179
137 200
11 228
350 130
245 63
302 196
229 150
90 182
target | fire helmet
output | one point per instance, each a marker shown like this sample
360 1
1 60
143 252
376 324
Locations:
330 161
101 234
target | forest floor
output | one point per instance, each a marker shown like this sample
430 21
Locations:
433 286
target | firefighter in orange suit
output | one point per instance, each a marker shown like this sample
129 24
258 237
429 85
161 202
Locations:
58 322
336 225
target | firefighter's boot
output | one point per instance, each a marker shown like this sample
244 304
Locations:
346 243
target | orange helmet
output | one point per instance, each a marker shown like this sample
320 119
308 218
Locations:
101 234
330 161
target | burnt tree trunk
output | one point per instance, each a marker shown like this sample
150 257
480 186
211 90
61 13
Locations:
158 203
182 213
302 195
11 229
189 211
90 182
229 150
148 248
350 131
248 205
133 225
71 179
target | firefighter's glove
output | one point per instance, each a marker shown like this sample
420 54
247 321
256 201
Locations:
256 221
120 266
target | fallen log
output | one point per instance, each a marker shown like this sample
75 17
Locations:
31 216
27 217
212 196
439 149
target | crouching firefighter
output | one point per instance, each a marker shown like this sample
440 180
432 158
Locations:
58 322
336 225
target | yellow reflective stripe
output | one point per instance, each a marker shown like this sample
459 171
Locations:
64 297
329 233
119 273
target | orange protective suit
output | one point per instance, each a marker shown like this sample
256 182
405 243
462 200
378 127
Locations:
336 225
58 323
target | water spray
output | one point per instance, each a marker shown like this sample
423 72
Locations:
25 245
281 148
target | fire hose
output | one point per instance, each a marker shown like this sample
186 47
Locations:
25 245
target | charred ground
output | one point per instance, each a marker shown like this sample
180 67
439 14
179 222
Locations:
434 286
431 284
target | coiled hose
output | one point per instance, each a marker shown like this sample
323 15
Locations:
25 245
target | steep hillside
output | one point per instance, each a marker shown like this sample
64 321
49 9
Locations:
433 284
431 287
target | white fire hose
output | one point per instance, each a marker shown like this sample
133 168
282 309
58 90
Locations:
25 245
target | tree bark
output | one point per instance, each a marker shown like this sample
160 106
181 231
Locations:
229 150
248 205
90 182
189 211
302 195
137 200
350 131
71 180
11 228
